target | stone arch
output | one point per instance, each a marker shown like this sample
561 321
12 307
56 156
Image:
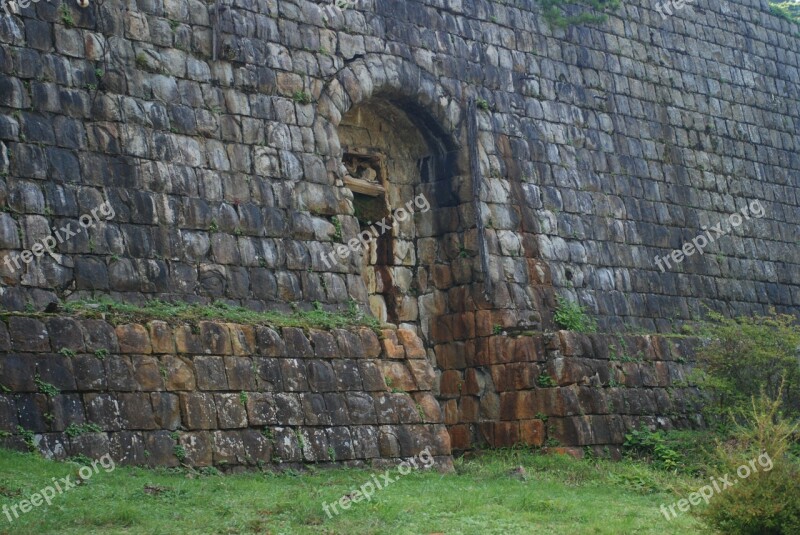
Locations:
373 92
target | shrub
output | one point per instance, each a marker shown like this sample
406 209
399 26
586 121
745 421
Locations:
573 317
652 446
741 356
767 501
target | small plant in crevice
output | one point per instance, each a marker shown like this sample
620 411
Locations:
243 398
545 381
101 353
66 16
573 317
337 225
497 329
301 97
66 352
76 430
331 453
27 436
482 104
45 388
180 452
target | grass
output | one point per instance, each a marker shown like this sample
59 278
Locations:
557 494
173 313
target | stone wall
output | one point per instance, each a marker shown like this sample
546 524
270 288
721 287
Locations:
565 389
596 149
216 394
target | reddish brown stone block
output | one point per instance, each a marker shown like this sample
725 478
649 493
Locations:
178 373
468 409
532 432
133 338
243 339
146 373
412 344
464 326
370 342
161 338
442 329
187 342
423 373
484 325
430 407
216 338
506 434
471 384
450 412
459 437
391 345
442 276
397 373
451 383
529 349
508 405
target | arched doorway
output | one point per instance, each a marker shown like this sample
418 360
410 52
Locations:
399 172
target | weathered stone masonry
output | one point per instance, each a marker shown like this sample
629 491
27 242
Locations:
230 395
556 161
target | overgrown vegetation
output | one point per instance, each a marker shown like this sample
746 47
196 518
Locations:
767 501
652 445
119 313
563 13
789 11
573 317
741 357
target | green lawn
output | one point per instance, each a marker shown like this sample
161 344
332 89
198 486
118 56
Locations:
556 494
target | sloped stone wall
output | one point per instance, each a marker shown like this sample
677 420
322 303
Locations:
216 394
598 148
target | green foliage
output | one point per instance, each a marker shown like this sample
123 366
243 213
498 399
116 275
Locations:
180 452
101 353
767 501
46 388
243 398
331 453
27 436
337 225
546 381
742 356
120 313
643 443
66 352
563 13
573 317
66 16
497 329
76 430
553 499
302 97
482 104
788 11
